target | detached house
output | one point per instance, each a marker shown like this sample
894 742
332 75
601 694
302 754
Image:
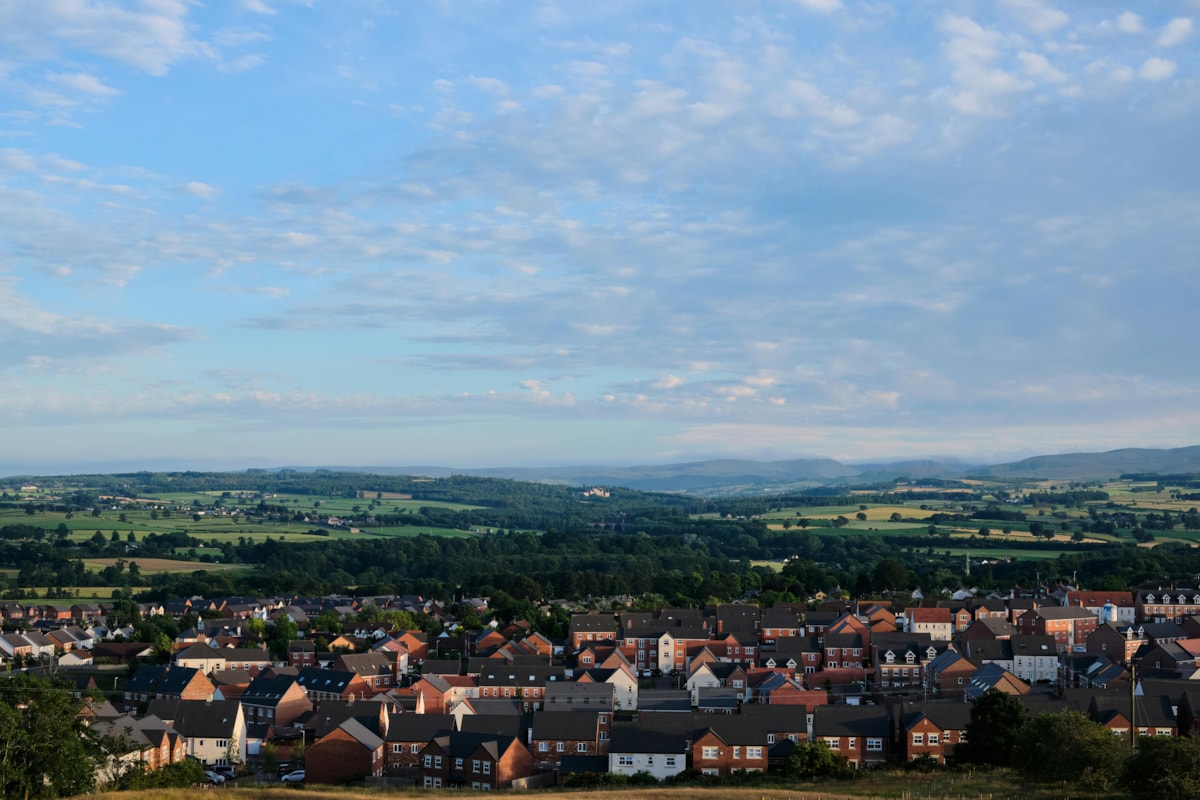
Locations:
347 752
860 733
633 749
476 761
215 731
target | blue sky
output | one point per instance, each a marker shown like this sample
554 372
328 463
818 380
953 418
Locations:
482 233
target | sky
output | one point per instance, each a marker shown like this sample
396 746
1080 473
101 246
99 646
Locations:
482 233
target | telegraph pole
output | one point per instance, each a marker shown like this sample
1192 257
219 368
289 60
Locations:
1133 706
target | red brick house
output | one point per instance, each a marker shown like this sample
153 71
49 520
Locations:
729 745
860 733
473 760
349 751
1069 626
932 730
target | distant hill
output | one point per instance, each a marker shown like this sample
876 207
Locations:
740 476
1096 466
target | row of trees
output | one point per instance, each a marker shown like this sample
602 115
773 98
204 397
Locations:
1067 747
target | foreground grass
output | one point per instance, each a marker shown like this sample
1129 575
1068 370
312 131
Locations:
873 785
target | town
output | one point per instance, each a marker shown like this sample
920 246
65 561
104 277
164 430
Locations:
715 691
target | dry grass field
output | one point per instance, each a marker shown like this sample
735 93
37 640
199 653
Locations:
152 565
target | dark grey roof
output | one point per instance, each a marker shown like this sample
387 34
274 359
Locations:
556 725
832 720
418 727
515 725
202 719
635 739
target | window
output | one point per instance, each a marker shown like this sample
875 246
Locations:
770 738
562 746
670 761
834 743
416 748
458 762
487 768
475 765
428 762
625 761
874 745
543 747
852 743
581 747
709 752
737 752
753 752
710 772
397 748
918 738
437 762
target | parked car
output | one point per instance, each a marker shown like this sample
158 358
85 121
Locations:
213 777
285 768
294 777
227 770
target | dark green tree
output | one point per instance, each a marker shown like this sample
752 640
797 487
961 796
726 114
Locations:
997 720
1068 747
815 760
45 751
1164 768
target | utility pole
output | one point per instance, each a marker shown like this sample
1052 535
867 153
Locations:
1133 706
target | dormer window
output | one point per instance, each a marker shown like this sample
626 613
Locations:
1149 598
1182 599
909 657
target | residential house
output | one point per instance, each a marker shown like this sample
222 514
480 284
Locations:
407 735
632 749
994 677
558 733
1117 607
328 684
931 730
935 622
860 733
348 752
727 744
278 700
476 761
215 730
1069 626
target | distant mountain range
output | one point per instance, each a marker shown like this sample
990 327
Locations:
728 476
735 476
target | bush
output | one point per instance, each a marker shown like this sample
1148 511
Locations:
1164 768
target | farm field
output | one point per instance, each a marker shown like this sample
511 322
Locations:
152 565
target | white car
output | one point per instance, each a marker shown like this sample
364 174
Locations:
294 777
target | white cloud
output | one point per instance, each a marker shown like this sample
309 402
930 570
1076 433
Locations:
489 85
1037 66
1176 32
82 82
1039 16
820 6
1129 22
1156 69
151 36
257 7
202 190
972 49
244 63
